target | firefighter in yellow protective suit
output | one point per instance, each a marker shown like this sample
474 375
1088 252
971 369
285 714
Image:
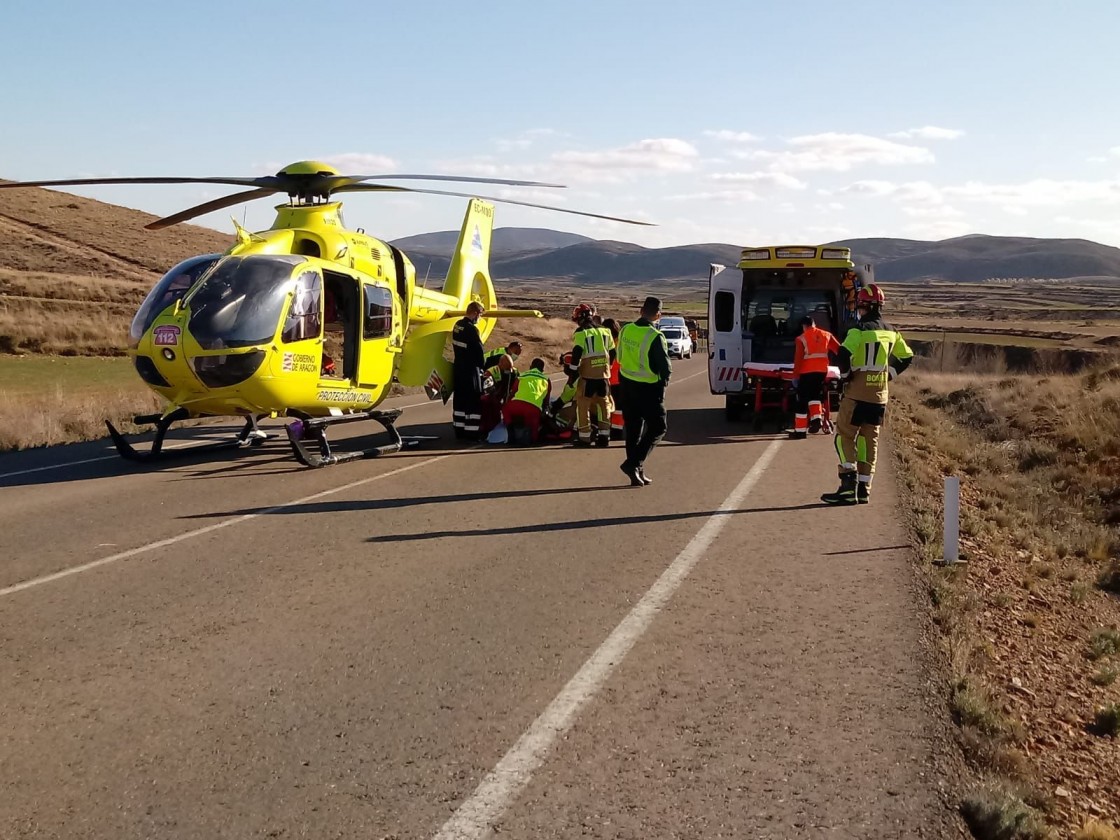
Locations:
592 355
873 353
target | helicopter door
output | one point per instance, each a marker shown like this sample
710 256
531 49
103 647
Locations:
381 333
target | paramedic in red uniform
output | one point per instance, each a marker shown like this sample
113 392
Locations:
810 368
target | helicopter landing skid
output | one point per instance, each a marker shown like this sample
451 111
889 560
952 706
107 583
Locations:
306 431
250 435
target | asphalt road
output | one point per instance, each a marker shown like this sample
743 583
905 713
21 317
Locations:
456 641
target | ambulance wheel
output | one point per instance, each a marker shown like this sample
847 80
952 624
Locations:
733 408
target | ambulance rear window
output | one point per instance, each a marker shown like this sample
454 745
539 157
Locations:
725 311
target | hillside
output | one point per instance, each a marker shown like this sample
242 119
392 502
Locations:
63 251
962 259
978 257
506 240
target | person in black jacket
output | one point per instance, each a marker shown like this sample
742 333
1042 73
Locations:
466 408
644 371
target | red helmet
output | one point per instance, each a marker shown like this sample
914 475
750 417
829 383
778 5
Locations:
870 295
584 310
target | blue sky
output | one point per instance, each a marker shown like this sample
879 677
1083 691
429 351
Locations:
736 122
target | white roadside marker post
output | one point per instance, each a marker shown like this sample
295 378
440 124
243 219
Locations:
950 543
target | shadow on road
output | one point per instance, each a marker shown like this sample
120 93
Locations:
581 524
344 505
864 550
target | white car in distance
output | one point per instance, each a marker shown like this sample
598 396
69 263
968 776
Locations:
677 339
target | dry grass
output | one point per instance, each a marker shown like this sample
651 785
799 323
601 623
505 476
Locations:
995 812
1097 830
63 417
1038 458
62 330
1107 720
543 337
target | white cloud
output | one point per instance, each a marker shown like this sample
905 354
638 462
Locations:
872 188
936 229
732 136
1041 192
362 163
1107 226
769 179
939 211
928 132
656 155
838 153
534 196
919 192
525 139
723 196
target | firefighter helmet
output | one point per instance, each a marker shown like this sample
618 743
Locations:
870 295
583 311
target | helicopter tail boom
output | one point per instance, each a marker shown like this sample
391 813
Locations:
468 279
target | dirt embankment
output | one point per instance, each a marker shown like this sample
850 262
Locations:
996 358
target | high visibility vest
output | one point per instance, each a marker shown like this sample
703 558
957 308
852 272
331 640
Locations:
633 352
532 387
596 344
811 348
871 353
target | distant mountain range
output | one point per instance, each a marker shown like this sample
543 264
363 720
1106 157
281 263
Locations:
534 253
49 231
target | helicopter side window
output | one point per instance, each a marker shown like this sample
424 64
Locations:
378 322
304 320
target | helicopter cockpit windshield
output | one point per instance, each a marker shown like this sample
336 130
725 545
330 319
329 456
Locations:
239 302
171 287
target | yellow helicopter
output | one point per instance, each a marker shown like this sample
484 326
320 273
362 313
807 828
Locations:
243 333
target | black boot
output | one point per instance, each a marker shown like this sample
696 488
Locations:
863 492
603 439
846 495
642 475
815 426
632 474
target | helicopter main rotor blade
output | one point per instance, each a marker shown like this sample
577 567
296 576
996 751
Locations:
378 188
268 181
208 207
340 181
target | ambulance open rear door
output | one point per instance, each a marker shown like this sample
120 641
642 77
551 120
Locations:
725 332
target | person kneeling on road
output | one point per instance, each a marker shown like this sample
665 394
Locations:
533 390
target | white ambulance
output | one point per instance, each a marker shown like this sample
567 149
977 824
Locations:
754 313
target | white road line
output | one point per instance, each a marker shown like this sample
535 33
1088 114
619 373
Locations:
198 532
57 466
673 382
475 817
